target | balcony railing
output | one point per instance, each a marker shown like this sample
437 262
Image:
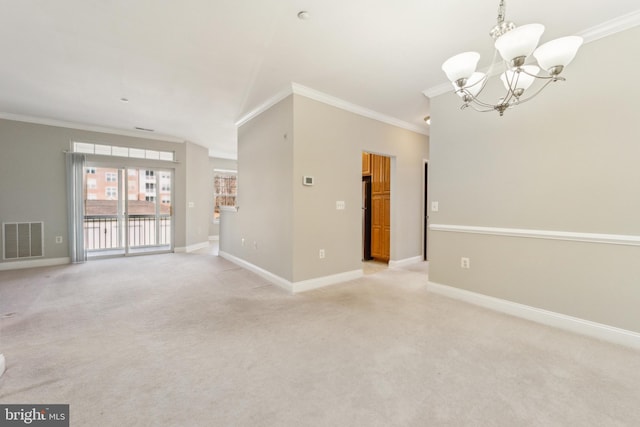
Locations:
103 232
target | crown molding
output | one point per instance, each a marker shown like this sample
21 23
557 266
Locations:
316 95
279 96
353 108
597 32
610 27
90 128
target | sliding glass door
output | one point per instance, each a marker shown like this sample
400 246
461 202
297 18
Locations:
128 210
148 210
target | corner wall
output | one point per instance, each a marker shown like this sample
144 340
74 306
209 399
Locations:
564 162
291 222
265 195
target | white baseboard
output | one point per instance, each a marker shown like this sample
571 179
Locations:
321 282
406 261
33 263
2 364
267 275
214 238
545 317
293 287
191 248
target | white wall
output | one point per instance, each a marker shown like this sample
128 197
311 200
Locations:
566 161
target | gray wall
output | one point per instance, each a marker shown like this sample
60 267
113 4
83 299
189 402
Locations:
217 163
199 191
265 193
292 222
33 179
328 145
566 161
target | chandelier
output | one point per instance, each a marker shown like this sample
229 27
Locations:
515 45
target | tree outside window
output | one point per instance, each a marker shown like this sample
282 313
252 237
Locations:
225 191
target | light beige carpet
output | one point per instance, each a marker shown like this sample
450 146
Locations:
192 340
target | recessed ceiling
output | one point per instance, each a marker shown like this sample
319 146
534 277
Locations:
191 69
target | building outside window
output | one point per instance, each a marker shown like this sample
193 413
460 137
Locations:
225 191
111 192
111 177
92 184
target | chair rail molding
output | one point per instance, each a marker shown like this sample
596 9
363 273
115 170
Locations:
611 239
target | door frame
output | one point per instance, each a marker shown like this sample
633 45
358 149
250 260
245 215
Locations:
122 214
425 211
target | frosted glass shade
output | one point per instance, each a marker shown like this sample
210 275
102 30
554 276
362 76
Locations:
520 41
519 80
473 86
558 52
461 66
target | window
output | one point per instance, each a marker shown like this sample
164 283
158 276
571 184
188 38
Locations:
149 174
166 201
111 176
111 192
92 184
150 187
112 150
165 187
91 171
150 198
92 196
225 190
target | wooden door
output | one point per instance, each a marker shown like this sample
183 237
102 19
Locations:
380 207
366 164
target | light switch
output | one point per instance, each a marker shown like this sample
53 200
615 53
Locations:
434 206
191 204
340 204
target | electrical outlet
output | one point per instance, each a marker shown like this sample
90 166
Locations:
434 206
321 254
465 262
340 205
58 239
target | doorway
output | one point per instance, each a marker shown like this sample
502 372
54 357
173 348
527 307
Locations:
366 218
426 209
127 210
376 184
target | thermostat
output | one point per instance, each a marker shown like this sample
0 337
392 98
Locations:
307 180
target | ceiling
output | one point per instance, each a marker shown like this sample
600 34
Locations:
191 69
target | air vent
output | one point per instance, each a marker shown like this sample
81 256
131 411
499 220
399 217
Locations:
22 239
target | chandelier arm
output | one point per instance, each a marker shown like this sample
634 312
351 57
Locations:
476 101
522 101
477 109
522 70
511 84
